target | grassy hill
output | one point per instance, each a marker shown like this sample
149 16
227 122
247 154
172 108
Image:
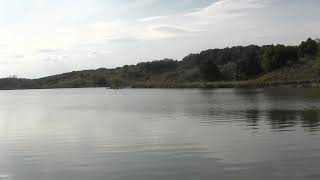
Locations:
249 66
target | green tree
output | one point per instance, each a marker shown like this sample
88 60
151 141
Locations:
229 71
248 67
99 80
210 71
191 60
278 56
308 48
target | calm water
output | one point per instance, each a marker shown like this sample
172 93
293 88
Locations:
132 134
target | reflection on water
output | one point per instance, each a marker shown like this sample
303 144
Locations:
155 134
279 108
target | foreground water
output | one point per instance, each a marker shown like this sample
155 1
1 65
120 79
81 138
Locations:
134 134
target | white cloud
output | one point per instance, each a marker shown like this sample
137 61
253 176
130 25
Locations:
30 37
152 18
226 10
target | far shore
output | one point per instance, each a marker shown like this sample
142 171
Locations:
197 85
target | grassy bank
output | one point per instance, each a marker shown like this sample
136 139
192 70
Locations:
230 84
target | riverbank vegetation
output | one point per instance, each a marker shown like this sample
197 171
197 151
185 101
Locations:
249 66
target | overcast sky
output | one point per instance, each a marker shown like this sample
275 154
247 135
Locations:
45 37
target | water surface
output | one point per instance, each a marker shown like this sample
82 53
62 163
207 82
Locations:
156 134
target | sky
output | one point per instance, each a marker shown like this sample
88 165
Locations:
46 37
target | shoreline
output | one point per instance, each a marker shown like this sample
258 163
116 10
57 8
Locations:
232 84
197 85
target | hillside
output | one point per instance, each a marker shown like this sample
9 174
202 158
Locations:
249 66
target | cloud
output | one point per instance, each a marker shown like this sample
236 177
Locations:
50 51
19 56
52 39
139 3
124 40
217 16
55 41
50 59
152 18
176 29
98 53
225 9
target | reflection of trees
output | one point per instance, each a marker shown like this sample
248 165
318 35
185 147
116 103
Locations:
251 99
310 119
282 119
252 117
252 106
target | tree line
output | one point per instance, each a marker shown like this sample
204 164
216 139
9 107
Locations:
243 63
229 64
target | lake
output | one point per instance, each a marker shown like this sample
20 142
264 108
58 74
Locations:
160 134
